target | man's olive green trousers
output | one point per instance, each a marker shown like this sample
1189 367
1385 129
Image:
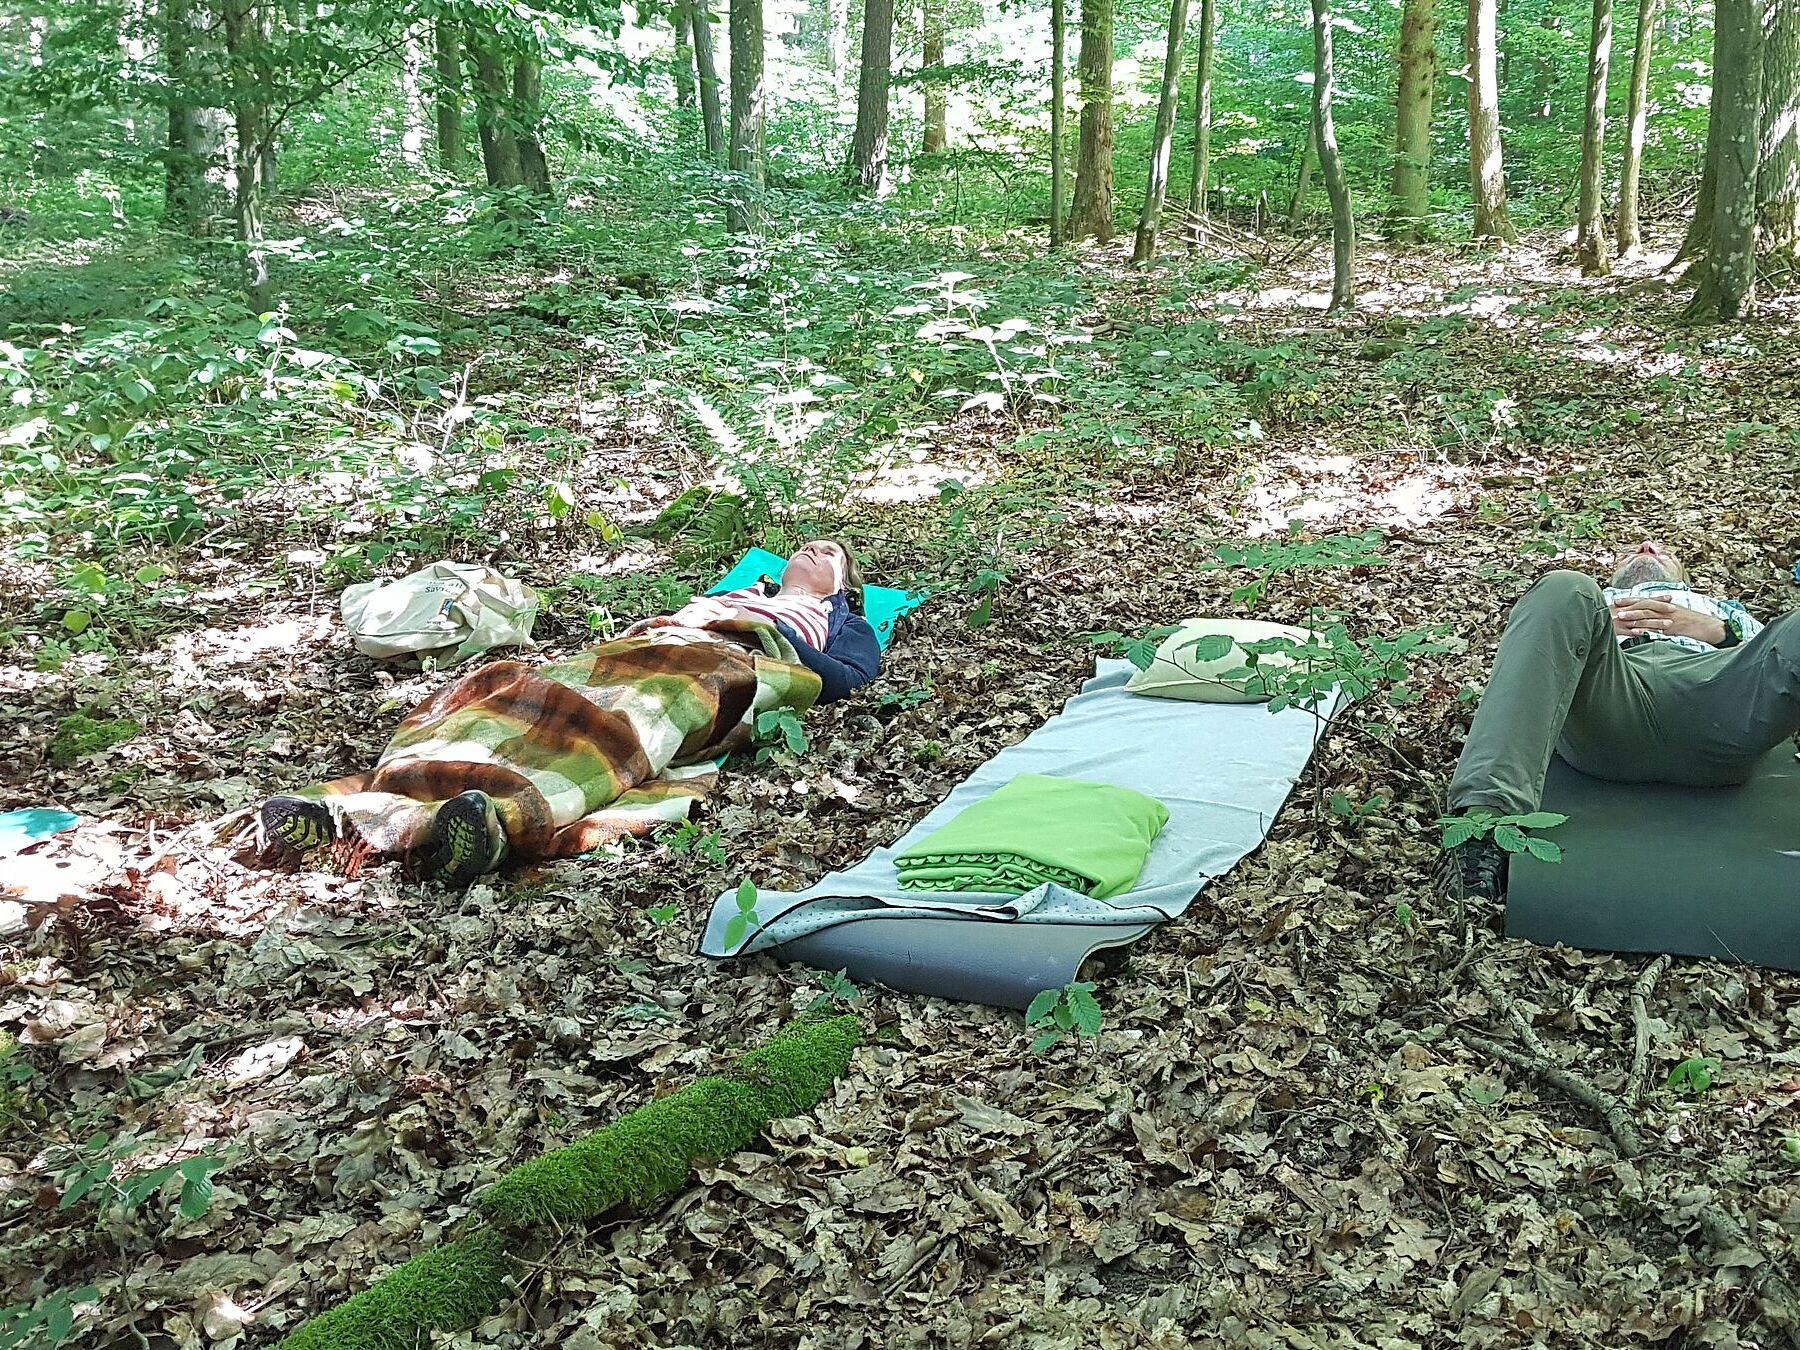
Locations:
1651 713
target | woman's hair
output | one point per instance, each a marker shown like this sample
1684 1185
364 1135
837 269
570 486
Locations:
853 578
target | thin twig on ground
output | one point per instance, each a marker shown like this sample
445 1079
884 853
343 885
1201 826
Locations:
1570 1084
1640 1024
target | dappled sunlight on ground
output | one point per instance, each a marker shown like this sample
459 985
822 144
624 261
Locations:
1336 492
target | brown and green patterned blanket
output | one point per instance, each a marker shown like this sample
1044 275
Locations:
579 752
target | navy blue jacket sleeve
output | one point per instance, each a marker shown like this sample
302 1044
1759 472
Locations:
850 660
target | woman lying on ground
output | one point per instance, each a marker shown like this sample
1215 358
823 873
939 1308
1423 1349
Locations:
551 761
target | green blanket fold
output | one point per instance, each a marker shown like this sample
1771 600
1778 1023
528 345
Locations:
1087 837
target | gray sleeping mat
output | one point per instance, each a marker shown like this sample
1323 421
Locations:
1649 867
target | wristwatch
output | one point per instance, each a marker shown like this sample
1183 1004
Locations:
1732 636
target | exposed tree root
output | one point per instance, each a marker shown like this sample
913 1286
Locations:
1570 1084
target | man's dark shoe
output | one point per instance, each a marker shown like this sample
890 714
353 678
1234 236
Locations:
1473 870
466 840
295 825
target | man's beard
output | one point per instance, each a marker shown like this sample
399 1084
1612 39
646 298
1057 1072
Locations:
1641 568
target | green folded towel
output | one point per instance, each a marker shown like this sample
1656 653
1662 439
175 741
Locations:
1088 837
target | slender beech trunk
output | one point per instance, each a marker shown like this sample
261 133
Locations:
838 42
1590 222
1162 138
1092 212
869 144
1778 168
1410 187
1331 164
1487 174
706 78
1637 112
1303 175
1203 92
937 112
684 55
499 146
1059 94
528 112
193 191
412 97
449 97
1728 277
243 48
748 92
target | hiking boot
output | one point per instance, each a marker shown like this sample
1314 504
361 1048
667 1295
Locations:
1473 870
466 839
295 824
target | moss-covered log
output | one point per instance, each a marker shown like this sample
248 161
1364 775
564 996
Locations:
635 1160
647 1154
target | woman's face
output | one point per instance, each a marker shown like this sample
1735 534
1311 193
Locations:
817 567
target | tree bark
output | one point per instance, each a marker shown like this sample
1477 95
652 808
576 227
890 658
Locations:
1487 174
1203 92
748 92
412 97
1778 169
193 189
684 55
1331 164
1728 276
1059 94
1162 138
1410 187
449 98
706 77
528 113
1637 115
1590 223
243 48
838 43
499 146
1092 212
937 111
869 144
1303 175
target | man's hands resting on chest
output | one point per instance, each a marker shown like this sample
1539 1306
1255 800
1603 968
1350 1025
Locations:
1632 615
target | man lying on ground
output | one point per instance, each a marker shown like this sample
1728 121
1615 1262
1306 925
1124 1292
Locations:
1647 681
551 761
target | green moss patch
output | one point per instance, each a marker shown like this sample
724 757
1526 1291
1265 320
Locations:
78 736
635 1160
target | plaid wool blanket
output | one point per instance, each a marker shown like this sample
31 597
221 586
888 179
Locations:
579 752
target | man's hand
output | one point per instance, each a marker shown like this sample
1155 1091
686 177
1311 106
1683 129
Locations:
1632 615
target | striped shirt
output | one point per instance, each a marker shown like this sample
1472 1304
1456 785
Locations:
807 615
1728 612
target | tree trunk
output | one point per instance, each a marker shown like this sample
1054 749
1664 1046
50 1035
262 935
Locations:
869 145
1162 138
706 75
1487 175
1303 175
528 113
838 42
748 91
1698 238
1331 164
243 48
1778 172
449 98
1092 213
499 146
1203 92
1410 188
1590 221
937 131
1728 277
684 55
1636 120
412 98
193 189
1059 63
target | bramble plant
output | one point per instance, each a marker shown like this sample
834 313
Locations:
746 920
1506 831
1060 1013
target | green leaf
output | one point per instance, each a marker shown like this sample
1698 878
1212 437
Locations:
736 930
1211 647
90 1177
1539 820
1086 1009
1543 848
1459 830
149 574
660 914
1042 1006
77 620
746 897
196 1196
1045 1040
1692 1077
983 614
559 500
1510 837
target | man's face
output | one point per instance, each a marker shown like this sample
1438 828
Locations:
1649 561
